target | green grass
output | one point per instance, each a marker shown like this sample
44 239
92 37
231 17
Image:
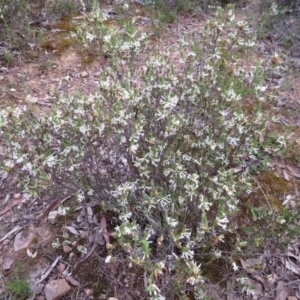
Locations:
17 287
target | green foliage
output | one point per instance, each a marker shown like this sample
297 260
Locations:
156 144
10 10
15 31
167 14
7 57
284 227
18 288
63 7
279 20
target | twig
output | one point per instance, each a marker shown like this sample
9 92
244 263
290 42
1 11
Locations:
267 200
11 205
286 284
89 253
52 206
50 269
17 228
63 261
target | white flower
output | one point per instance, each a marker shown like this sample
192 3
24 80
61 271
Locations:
51 161
84 129
187 253
192 280
31 99
17 112
80 197
171 222
90 37
9 164
125 217
90 192
274 9
28 167
231 15
165 201
260 88
191 54
62 210
153 290
82 249
222 222
235 267
108 259
218 253
127 230
56 244
107 38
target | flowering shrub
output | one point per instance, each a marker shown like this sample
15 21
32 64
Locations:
158 147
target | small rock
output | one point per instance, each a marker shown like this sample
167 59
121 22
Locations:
84 234
1 78
6 242
112 298
61 267
89 292
43 76
67 248
281 102
51 89
75 243
17 196
23 240
14 219
137 293
84 74
8 263
56 289
37 288
52 217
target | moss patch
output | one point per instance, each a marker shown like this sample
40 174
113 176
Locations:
86 56
58 45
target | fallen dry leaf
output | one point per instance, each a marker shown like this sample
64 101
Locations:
72 281
103 222
283 292
72 230
291 266
285 175
292 298
250 263
61 267
47 273
30 254
10 206
16 229
294 171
